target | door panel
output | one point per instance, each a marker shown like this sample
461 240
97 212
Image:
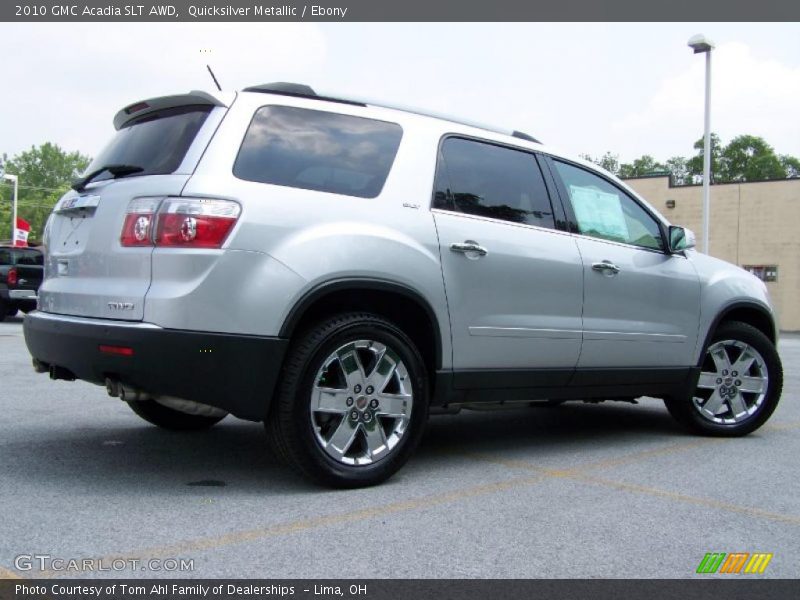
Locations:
518 306
645 315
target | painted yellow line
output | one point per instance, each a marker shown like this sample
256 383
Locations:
8 574
543 474
708 502
239 537
601 464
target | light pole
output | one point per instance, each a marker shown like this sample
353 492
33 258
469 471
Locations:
15 179
701 44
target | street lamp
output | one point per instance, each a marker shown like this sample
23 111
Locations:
701 44
15 179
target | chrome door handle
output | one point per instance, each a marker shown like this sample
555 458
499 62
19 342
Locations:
606 267
469 247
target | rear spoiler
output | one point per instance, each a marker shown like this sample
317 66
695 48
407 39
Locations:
193 98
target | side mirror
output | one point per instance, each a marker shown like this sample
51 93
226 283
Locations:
681 239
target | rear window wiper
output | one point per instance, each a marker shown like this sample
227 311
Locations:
116 170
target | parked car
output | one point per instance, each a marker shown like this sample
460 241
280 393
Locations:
20 276
339 269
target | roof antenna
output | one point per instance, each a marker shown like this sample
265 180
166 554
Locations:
214 77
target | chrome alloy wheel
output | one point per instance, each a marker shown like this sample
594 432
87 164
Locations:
733 383
361 402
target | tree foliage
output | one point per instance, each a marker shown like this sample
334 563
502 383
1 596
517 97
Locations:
45 173
744 158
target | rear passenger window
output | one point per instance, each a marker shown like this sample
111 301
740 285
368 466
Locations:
491 181
316 150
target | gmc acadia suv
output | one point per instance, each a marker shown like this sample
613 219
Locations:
338 270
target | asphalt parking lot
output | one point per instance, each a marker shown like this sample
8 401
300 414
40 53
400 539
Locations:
610 490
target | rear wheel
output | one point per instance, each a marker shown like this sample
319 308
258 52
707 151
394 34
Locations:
352 403
739 384
168 418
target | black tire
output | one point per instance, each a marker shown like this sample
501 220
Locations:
168 418
686 412
289 424
11 312
5 310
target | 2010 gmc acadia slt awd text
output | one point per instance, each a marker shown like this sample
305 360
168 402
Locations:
337 269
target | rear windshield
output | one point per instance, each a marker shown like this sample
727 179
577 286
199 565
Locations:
21 256
316 150
157 142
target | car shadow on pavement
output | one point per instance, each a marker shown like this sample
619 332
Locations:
137 458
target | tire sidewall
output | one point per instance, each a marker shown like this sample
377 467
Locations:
330 470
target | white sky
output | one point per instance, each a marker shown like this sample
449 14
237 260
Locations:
628 88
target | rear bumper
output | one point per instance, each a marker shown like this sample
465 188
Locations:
236 373
22 295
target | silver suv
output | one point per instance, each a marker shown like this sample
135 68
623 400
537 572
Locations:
339 270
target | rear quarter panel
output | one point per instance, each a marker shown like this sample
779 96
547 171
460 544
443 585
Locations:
308 238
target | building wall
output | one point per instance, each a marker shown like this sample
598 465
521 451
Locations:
751 224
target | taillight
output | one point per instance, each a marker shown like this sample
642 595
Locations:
11 277
137 230
195 222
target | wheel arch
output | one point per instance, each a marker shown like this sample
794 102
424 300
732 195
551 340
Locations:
395 301
751 313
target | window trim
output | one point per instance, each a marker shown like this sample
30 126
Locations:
332 112
572 219
559 217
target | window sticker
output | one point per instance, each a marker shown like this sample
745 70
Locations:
599 213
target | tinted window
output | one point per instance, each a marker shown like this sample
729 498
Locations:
316 150
604 211
29 257
157 142
21 256
491 181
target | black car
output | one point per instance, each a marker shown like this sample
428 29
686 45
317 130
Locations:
21 271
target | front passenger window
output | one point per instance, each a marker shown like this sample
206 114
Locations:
604 211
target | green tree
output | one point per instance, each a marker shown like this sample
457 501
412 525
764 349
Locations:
45 173
750 158
791 165
644 165
678 168
610 162
695 163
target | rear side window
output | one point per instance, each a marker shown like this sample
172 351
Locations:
21 256
492 181
157 142
29 257
316 150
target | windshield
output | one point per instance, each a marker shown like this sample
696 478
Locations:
156 142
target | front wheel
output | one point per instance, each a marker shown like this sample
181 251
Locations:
352 403
739 386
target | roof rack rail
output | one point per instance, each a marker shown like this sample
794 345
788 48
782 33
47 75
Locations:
298 90
301 90
525 136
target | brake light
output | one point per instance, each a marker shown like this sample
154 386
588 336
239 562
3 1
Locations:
11 277
195 222
137 228
116 350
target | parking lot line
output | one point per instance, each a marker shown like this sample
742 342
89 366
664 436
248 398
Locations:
238 537
578 474
708 502
582 474
8 574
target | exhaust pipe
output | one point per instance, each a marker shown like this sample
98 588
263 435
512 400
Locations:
126 393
